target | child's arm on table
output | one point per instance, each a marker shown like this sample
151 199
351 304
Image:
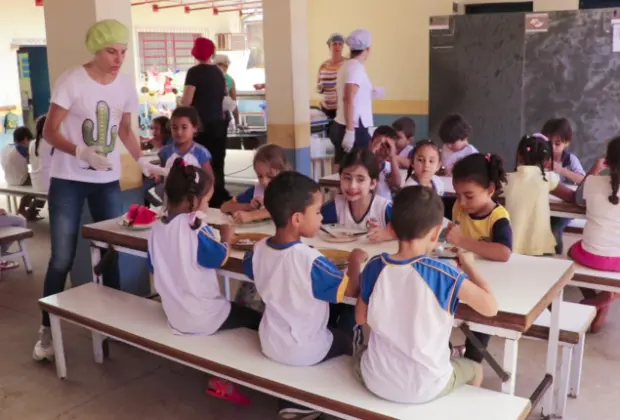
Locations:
242 202
475 291
250 216
377 233
564 193
494 251
570 175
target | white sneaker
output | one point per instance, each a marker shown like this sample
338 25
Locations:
44 350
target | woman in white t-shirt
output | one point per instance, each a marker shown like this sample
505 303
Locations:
40 153
599 247
355 95
91 109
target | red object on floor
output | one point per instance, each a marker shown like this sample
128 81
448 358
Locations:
220 388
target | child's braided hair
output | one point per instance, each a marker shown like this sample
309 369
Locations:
187 183
535 150
613 163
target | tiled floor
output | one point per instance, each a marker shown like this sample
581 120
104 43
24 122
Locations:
133 384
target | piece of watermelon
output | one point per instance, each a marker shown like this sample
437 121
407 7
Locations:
140 215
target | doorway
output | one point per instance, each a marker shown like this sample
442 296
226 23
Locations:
34 81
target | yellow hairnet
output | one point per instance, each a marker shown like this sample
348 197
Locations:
105 33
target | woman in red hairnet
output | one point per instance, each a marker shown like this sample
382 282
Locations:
205 89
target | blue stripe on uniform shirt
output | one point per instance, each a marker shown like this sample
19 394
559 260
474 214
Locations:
326 279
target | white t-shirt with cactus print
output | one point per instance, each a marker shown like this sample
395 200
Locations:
93 119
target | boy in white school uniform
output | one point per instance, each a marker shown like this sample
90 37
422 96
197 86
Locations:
408 299
297 283
454 133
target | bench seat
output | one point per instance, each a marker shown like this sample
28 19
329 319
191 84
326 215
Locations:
329 387
589 275
575 319
10 234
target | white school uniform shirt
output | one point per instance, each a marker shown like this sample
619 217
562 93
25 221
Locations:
353 72
601 233
297 284
436 182
411 307
196 155
406 151
15 164
449 157
527 203
40 166
338 211
383 186
94 110
184 262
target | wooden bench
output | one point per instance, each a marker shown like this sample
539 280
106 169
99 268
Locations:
10 234
575 320
14 191
235 355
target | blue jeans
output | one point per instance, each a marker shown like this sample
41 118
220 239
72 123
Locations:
66 201
558 224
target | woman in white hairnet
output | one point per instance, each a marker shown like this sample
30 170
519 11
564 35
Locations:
90 111
355 94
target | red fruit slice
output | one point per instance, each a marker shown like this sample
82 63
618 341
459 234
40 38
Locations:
144 216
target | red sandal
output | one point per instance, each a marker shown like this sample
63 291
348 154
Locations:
225 390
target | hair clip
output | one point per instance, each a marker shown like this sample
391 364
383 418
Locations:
182 163
528 149
488 157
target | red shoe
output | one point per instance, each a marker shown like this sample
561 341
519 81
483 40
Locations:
225 390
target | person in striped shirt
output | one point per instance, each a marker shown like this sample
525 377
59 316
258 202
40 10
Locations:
326 80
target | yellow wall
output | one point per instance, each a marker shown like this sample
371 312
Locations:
21 19
399 55
400 51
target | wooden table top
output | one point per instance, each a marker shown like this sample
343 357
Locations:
524 286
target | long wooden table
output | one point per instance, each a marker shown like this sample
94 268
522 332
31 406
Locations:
524 286
558 207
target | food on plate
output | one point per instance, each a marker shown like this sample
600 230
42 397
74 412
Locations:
139 216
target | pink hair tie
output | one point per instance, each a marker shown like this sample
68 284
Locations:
528 148
488 157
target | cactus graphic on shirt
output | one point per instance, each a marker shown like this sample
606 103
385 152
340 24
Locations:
103 123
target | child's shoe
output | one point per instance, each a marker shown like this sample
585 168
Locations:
226 390
298 413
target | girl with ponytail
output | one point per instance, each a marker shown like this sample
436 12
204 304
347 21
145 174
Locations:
479 223
599 247
527 197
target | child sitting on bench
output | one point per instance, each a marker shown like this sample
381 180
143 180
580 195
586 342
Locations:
408 299
297 283
183 255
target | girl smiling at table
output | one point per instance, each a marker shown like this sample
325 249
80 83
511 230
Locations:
358 207
527 197
425 162
479 224
183 255
246 207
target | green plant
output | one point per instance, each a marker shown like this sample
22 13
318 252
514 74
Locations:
103 123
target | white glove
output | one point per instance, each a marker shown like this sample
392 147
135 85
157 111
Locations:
93 156
378 93
148 169
229 104
348 141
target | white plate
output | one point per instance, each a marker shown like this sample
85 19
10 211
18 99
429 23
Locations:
348 234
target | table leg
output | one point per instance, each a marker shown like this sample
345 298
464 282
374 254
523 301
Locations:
511 351
98 346
59 349
552 355
576 366
562 382
95 258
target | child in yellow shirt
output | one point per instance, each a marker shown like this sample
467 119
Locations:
527 197
479 224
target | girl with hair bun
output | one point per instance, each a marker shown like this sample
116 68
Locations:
527 197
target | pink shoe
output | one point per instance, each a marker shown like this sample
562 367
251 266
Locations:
225 390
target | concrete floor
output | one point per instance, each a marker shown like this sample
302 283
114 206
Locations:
134 384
